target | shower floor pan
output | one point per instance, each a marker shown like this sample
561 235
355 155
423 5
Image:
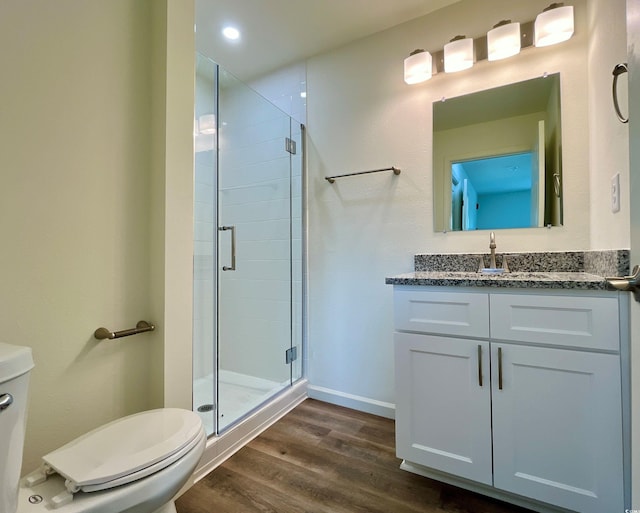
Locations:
239 394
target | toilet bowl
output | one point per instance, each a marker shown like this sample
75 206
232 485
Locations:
131 465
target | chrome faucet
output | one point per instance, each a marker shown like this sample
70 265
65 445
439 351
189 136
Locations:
494 268
492 247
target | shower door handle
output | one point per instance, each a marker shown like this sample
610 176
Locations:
232 267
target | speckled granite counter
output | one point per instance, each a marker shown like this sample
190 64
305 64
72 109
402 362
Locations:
581 270
538 280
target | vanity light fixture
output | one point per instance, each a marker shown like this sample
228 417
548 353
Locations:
458 54
418 67
207 124
503 40
554 25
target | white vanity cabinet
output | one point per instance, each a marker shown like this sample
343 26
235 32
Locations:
516 395
443 401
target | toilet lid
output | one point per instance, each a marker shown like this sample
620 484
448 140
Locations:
126 449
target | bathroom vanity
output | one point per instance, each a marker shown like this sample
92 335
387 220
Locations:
515 386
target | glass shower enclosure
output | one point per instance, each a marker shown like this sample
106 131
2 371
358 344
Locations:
247 321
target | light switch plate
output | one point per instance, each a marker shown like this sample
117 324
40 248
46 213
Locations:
615 193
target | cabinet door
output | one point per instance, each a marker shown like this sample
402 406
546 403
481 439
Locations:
443 404
557 434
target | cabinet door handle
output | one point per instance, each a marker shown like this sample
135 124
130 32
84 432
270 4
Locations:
479 365
499 368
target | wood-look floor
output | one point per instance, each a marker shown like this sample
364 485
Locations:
323 458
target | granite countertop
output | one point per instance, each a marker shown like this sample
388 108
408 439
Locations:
582 270
536 280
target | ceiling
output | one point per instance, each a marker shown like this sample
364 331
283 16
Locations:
276 33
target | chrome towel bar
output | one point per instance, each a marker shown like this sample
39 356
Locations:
332 179
141 327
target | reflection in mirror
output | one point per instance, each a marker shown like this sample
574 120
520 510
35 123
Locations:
497 158
504 183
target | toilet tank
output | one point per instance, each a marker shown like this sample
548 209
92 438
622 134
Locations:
15 364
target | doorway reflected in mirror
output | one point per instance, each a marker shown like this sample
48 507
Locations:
482 190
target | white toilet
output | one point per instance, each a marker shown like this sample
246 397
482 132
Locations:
132 465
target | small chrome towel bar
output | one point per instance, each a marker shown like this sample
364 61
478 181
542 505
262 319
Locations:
332 179
105 334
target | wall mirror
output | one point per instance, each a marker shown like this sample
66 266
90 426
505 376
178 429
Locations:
497 158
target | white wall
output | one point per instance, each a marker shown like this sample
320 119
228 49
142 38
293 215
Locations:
609 139
360 116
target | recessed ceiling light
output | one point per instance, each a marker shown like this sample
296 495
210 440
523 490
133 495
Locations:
231 33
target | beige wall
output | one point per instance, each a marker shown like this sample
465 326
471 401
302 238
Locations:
80 172
172 217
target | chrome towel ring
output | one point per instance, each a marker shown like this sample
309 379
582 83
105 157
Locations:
618 70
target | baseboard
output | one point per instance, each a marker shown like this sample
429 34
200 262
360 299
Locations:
220 448
355 402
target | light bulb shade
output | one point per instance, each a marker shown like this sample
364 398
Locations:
554 26
503 41
418 67
458 55
207 124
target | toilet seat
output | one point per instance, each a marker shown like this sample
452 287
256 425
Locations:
124 450
125 478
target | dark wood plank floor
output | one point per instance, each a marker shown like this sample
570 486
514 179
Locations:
323 458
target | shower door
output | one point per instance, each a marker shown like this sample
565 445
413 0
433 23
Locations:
254 278
247 251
